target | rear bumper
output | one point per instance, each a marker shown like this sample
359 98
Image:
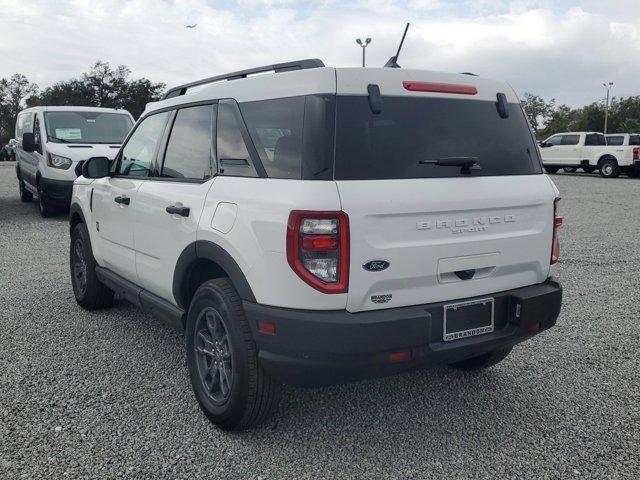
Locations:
57 191
313 348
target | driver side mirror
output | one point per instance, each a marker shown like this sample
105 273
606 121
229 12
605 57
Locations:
544 144
96 167
28 142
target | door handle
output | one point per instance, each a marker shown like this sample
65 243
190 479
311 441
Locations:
182 211
122 200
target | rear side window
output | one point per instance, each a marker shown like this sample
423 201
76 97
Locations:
595 139
409 134
570 139
617 140
141 148
189 150
275 127
233 155
634 140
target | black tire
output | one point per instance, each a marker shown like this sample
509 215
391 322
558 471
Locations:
44 207
90 293
609 168
588 168
483 361
551 170
570 169
219 340
25 195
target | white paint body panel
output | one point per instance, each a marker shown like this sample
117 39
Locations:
394 220
574 155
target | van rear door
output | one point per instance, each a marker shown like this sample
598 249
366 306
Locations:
442 231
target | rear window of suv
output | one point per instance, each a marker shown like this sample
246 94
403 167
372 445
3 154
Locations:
395 143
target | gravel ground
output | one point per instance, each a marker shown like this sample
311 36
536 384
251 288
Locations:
106 395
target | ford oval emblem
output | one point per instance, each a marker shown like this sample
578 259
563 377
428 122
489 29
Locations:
376 265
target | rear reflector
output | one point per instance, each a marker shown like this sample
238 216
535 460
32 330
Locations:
440 88
399 357
534 328
266 327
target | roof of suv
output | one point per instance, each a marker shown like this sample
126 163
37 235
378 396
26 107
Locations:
316 80
64 108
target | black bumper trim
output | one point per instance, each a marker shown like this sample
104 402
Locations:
57 191
325 347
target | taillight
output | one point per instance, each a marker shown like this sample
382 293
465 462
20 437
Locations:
557 223
636 153
318 249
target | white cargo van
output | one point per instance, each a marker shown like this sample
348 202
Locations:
52 141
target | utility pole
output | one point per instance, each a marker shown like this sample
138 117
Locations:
364 46
606 106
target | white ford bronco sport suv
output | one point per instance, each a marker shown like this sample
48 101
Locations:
319 225
51 143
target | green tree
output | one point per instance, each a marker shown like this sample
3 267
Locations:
537 109
13 92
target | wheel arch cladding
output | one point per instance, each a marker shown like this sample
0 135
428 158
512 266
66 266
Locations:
75 216
201 261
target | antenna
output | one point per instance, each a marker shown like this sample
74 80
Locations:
393 61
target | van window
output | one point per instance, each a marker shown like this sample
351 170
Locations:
408 132
190 146
87 127
140 150
25 121
570 139
232 152
615 140
37 137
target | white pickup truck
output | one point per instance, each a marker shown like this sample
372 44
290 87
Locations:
589 151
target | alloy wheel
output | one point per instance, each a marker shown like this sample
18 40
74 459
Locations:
79 266
213 354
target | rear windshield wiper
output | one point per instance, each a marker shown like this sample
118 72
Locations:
466 164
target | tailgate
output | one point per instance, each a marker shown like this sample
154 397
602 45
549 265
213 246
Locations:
445 238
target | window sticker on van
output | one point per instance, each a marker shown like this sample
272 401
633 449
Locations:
69 133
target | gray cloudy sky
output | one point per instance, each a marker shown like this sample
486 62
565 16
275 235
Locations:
563 48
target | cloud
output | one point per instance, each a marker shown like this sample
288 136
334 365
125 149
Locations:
556 49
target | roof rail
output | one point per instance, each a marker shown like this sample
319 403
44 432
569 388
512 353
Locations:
276 68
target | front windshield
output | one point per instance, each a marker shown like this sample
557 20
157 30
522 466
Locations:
87 127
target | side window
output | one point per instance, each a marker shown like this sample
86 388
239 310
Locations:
570 139
24 124
139 152
37 137
190 145
233 156
634 140
19 125
616 140
555 140
275 127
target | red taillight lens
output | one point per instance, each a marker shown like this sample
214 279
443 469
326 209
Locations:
440 88
318 249
557 223
636 153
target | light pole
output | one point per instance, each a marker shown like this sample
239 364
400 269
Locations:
606 105
364 45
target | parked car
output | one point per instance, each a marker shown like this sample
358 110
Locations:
11 149
319 225
589 151
52 141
